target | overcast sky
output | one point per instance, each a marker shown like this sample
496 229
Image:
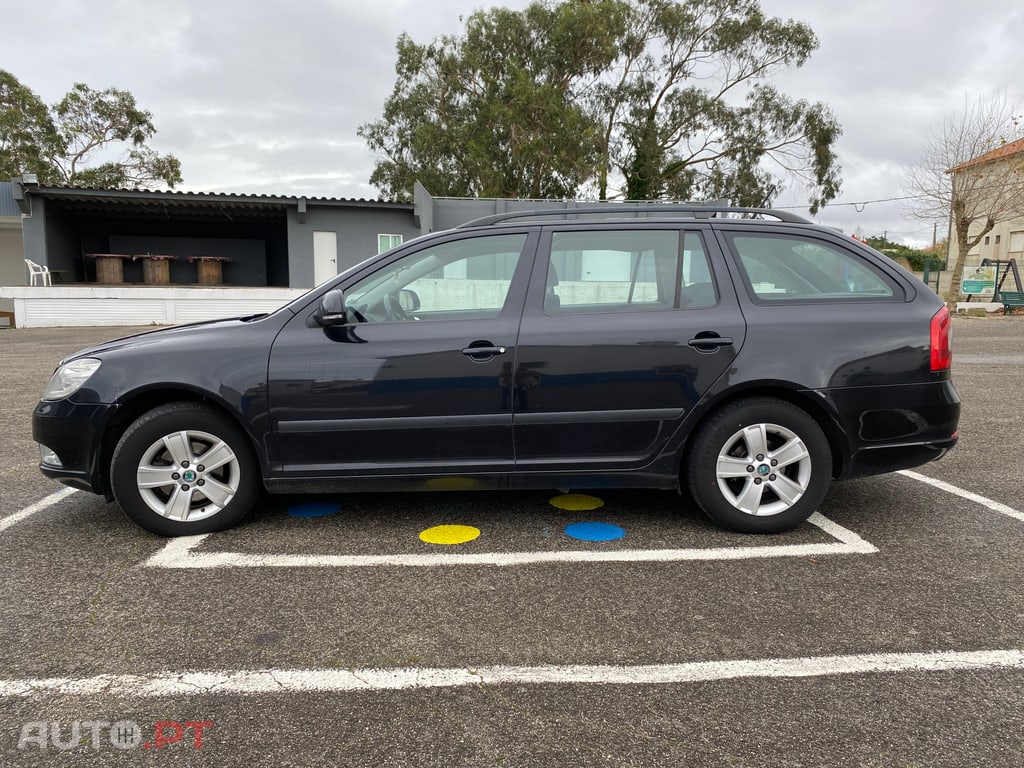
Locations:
264 96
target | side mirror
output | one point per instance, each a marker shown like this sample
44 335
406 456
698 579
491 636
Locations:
408 300
332 309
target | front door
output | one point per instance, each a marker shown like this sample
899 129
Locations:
418 380
623 331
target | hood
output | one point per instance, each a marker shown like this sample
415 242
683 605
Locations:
160 335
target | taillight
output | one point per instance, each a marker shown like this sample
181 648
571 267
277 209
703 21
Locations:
940 336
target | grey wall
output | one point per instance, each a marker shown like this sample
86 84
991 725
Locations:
451 212
33 230
357 229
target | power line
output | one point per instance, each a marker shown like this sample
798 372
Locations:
861 203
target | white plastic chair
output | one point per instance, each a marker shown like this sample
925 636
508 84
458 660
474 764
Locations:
38 271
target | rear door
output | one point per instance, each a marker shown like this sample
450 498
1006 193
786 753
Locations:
624 329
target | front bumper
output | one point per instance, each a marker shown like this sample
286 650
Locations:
73 431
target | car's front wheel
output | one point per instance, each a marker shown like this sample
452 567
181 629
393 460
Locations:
759 465
183 469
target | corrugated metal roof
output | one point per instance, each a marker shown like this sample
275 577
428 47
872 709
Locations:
8 207
217 198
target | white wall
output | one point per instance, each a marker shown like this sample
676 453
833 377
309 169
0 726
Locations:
36 307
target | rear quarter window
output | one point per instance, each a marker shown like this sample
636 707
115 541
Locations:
786 268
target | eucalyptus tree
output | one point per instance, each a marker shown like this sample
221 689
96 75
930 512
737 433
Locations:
643 99
62 143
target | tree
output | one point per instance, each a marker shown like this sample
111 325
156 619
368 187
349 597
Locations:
667 98
688 112
964 176
896 251
59 143
27 134
498 111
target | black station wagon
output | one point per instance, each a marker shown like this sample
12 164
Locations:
743 356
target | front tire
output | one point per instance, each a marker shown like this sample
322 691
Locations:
759 465
183 469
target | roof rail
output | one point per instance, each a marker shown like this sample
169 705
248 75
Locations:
618 210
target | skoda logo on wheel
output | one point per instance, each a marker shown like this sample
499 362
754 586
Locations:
188 475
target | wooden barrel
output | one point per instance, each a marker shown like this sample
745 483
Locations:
109 269
156 271
209 272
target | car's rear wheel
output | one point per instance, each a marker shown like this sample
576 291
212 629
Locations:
184 469
759 465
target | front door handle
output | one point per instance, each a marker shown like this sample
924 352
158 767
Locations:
483 350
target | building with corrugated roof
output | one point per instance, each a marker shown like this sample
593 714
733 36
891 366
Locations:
127 257
258 240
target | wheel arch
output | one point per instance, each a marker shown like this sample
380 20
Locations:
805 400
134 405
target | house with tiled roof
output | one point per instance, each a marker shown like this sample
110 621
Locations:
1005 240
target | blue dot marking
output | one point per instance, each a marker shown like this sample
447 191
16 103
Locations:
594 531
314 509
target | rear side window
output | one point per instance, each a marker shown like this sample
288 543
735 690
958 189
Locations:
787 268
627 271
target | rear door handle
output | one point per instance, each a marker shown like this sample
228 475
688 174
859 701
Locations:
709 342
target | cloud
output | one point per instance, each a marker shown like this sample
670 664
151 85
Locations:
267 95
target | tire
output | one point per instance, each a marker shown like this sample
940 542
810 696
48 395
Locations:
160 480
730 470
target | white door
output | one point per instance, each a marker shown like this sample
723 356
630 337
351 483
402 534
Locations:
325 256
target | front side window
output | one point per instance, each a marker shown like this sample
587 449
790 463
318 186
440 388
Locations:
786 268
464 279
627 271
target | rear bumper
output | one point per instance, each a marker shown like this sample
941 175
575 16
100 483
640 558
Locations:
74 432
876 460
895 427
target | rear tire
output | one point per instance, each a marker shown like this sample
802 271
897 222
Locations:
759 465
184 469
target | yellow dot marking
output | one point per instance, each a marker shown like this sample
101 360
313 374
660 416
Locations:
576 502
449 534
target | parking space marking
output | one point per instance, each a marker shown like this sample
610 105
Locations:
995 506
269 681
180 553
39 506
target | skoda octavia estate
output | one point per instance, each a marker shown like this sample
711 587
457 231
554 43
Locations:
745 356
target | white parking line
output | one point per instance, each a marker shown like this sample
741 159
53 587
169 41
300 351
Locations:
180 553
49 501
995 506
269 681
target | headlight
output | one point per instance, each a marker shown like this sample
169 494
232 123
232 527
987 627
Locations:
70 377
